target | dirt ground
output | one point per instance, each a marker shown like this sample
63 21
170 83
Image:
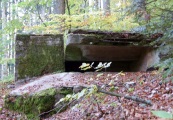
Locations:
147 86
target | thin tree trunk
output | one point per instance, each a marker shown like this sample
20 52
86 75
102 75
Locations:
94 5
90 5
59 7
105 4
4 37
1 40
99 4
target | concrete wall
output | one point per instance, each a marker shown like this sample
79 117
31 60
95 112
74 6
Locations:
125 57
148 58
37 55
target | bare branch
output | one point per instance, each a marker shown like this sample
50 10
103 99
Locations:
134 98
40 17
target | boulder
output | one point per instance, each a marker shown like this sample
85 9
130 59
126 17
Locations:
40 96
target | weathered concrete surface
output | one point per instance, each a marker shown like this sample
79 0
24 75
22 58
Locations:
103 53
45 82
38 54
95 47
115 47
148 59
106 38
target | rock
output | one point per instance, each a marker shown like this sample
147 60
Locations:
77 89
130 84
31 105
142 105
10 86
41 95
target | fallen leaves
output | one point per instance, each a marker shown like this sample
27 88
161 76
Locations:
147 86
114 108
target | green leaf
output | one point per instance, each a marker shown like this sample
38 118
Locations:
84 65
81 94
99 75
163 114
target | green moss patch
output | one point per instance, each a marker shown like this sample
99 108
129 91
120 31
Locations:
73 53
65 90
41 60
33 105
39 55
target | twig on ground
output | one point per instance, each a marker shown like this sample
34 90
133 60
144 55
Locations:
66 104
85 111
99 108
134 98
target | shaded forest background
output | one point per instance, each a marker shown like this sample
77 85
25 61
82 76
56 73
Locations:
60 16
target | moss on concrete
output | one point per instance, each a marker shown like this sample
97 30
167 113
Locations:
65 91
40 56
35 104
73 53
32 105
40 60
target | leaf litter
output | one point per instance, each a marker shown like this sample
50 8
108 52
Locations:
145 85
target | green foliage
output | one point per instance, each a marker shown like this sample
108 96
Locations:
80 17
13 25
8 79
87 92
31 5
94 21
163 114
155 17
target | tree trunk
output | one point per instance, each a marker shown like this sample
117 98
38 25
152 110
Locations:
90 5
4 37
94 5
141 9
99 4
59 7
105 5
1 48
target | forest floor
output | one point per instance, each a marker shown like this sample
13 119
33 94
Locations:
6 114
147 86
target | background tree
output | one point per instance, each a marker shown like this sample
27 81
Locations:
105 5
59 6
155 17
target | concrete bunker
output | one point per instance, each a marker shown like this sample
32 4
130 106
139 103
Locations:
128 52
37 55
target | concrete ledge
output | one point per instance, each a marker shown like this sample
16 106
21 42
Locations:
133 48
